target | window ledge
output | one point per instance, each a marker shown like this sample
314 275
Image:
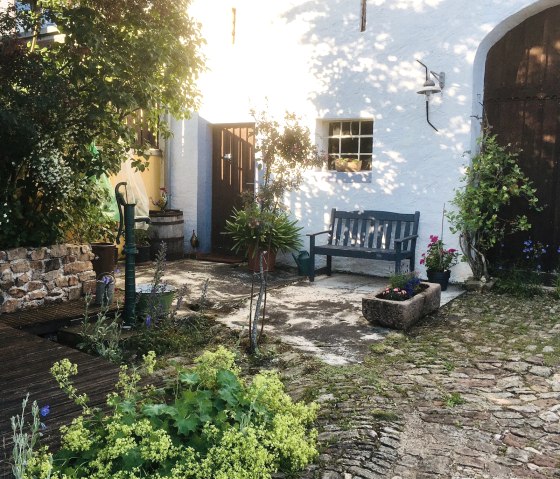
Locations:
349 177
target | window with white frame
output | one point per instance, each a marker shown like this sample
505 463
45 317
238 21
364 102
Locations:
350 142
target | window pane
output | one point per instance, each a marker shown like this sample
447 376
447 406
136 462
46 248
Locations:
367 127
366 145
366 162
346 127
349 145
334 128
333 145
355 127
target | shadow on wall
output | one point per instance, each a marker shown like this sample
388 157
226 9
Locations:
375 74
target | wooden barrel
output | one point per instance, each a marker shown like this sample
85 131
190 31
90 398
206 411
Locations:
167 226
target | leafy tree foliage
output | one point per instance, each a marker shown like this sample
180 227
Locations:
492 181
111 59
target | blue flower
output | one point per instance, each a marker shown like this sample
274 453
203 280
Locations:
148 321
44 411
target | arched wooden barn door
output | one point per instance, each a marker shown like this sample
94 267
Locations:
522 105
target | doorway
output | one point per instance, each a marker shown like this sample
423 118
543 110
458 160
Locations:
233 173
522 106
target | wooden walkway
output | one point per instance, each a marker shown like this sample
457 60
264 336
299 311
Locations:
51 318
25 361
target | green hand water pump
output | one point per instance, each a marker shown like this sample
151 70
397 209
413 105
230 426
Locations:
126 222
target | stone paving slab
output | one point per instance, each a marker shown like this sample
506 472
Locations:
323 318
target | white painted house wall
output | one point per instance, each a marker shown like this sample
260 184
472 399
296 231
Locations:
309 57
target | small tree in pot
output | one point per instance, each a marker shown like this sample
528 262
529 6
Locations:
284 151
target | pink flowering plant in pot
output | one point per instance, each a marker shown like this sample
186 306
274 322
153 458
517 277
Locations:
437 258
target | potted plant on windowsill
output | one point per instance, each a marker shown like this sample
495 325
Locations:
438 260
402 303
348 164
255 229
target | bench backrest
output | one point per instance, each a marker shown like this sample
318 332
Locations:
372 229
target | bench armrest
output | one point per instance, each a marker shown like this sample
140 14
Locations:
319 233
406 238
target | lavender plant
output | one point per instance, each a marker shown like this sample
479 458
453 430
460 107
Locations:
26 439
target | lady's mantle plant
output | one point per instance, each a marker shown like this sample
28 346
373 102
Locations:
492 181
207 424
437 258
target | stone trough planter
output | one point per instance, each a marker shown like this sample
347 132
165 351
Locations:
401 314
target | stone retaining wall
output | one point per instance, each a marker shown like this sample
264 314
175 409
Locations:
30 277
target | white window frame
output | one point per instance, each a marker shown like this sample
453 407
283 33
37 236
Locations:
366 157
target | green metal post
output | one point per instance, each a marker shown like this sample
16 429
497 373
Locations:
130 252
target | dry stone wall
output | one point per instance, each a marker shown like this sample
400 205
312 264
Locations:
31 277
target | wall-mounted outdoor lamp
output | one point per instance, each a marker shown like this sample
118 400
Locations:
430 87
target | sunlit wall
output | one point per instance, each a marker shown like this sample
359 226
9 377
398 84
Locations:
310 57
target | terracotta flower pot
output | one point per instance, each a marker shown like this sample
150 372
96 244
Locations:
269 260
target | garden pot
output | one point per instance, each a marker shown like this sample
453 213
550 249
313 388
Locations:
401 314
104 291
149 301
439 277
143 255
269 260
105 257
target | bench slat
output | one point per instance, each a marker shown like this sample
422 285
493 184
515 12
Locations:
365 253
338 231
364 224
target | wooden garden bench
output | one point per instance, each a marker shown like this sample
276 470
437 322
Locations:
380 235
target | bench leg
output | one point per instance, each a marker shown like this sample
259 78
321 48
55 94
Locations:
329 265
397 266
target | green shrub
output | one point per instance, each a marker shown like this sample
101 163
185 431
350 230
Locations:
207 424
111 59
492 181
257 228
519 283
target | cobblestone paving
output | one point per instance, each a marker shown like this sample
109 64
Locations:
473 392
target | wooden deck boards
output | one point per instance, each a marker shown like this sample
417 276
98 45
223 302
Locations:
50 318
25 361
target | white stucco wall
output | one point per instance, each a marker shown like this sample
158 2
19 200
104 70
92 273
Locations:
311 58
